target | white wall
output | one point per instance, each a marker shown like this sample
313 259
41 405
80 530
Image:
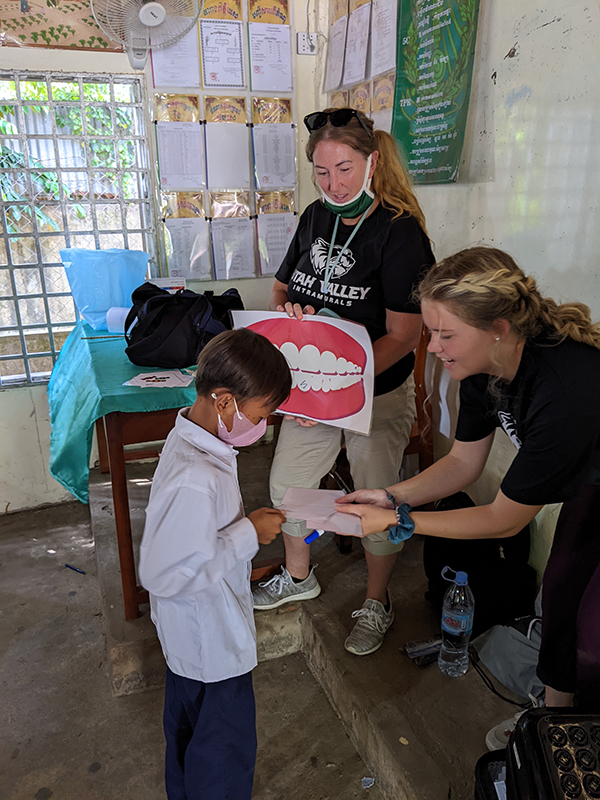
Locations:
529 175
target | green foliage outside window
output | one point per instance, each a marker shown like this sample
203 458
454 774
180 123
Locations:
69 119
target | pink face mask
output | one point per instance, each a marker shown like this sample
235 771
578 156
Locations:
243 432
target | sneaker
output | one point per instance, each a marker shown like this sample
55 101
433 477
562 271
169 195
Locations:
373 622
282 589
497 738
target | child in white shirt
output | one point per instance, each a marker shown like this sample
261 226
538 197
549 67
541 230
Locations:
195 562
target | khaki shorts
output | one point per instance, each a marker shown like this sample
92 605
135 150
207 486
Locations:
304 455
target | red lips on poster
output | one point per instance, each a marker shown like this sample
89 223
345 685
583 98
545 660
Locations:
327 367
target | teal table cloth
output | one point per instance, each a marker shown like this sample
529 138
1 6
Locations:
87 383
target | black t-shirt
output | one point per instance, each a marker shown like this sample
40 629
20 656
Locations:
551 413
379 271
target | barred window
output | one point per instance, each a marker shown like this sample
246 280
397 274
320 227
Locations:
74 172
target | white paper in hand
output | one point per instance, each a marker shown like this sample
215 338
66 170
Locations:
317 508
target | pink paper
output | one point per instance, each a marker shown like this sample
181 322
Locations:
317 508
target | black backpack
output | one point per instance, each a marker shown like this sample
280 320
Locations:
502 582
170 330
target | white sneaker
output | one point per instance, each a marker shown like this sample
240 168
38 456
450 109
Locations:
282 589
497 738
373 622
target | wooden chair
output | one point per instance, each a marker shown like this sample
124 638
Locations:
421 435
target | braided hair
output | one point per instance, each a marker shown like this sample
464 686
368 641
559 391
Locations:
483 284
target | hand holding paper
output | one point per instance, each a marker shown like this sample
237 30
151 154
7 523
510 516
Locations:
370 518
317 508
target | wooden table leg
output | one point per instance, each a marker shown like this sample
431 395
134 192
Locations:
122 518
102 448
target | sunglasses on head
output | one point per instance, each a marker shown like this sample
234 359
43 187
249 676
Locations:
338 118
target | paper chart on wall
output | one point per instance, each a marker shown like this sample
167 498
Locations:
339 99
179 64
275 232
270 57
331 361
180 155
222 54
274 155
188 248
233 248
317 508
335 54
227 155
176 107
384 20
360 97
357 41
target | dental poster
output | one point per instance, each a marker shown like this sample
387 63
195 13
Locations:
331 361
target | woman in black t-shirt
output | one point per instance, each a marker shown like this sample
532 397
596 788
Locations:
532 367
359 252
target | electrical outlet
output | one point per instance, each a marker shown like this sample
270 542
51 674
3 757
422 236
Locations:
306 43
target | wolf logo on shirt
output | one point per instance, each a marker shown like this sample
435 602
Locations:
509 427
318 255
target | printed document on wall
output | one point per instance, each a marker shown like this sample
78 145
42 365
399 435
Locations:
270 59
187 248
227 155
383 35
274 155
335 54
179 64
275 232
222 53
357 42
180 155
233 248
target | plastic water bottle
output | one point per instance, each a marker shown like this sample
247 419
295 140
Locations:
457 624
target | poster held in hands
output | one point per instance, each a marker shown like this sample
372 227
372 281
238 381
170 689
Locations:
331 361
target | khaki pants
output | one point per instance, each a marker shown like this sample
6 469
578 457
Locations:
304 455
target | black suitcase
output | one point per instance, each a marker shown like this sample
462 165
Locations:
490 769
554 754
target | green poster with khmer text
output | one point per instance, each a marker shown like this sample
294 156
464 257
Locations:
436 45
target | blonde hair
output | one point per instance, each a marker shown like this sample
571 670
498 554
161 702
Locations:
482 284
391 182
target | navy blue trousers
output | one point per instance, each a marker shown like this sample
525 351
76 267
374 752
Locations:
210 731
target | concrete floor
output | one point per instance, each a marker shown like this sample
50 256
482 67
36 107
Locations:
66 736
69 737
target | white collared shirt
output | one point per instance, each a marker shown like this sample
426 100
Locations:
195 557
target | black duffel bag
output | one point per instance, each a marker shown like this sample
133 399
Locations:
170 330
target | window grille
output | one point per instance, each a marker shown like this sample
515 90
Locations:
74 172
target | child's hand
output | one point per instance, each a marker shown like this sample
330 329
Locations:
267 522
